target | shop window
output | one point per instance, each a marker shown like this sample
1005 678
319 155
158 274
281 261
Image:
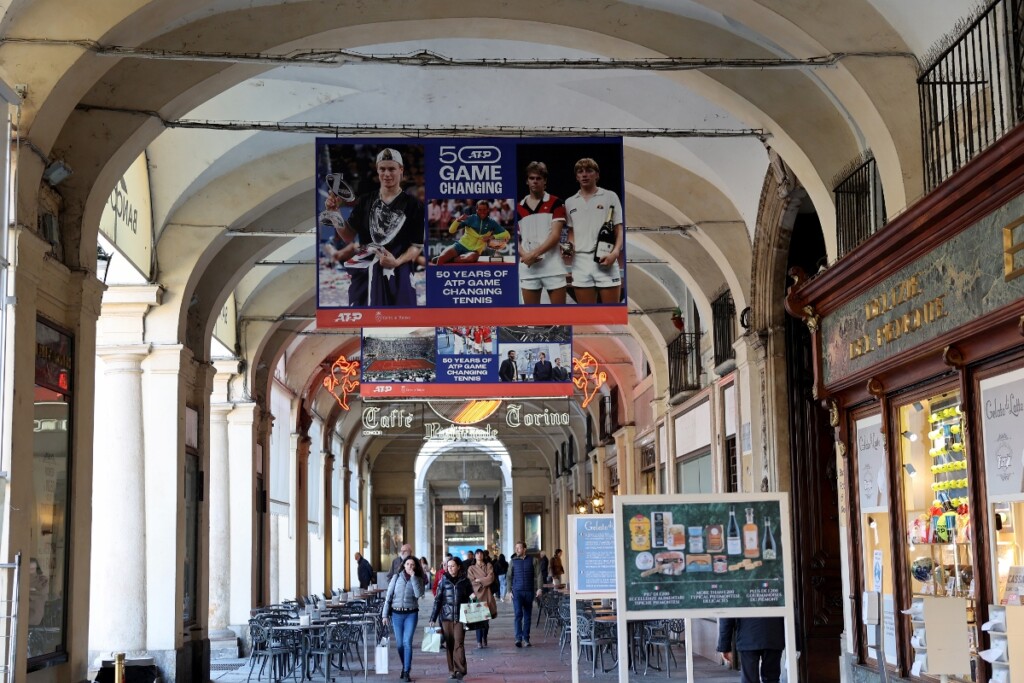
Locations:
392 533
1002 421
935 479
47 563
693 473
872 486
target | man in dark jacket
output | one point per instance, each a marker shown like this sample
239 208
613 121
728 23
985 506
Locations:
364 571
524 581
759 641
542 369
396 564
507 371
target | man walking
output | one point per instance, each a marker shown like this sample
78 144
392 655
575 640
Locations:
396 564
524 582
759 641
363 571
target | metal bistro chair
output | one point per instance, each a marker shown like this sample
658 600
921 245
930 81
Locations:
594 645
265 648
338 642
657 638
565 626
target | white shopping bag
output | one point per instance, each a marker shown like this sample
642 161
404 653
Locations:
380 657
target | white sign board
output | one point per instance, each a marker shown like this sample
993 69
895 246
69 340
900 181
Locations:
127 219
872 474
1002 430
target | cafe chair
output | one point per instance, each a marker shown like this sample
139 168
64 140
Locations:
657 639
594 645
267 650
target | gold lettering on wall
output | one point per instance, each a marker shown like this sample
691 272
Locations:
1013 245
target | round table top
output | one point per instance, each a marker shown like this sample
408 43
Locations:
611 618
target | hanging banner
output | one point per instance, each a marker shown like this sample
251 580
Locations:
467 361
432 231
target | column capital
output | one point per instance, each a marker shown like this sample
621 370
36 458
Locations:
123 313
220 411
243 413
124 353
224 369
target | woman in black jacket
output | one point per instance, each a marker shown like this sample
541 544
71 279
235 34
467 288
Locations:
453 592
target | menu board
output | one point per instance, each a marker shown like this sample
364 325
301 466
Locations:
595 546
1002 431
703 555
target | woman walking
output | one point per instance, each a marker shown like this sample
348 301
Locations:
401 603
556 567
453 592
481 577
501 571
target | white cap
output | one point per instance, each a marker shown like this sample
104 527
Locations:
389 154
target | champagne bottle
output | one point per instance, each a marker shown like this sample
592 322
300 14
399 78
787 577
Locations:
733 545
768 550
605 237
750 548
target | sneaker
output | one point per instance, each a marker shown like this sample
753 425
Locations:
529 644
519 643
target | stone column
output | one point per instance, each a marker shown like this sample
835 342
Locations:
244 564
419 521
328 523
220 518
118 565
300 511
508 523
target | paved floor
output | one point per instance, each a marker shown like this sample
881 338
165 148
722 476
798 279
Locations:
502 662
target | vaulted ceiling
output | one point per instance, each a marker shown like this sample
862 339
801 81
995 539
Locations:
225 98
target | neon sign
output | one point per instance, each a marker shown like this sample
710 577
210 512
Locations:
588 376
344 376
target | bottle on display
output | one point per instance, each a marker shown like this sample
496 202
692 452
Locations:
768 550
605 237
750 542
733 543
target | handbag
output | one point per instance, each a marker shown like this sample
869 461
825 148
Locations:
474 614
380 656
431 639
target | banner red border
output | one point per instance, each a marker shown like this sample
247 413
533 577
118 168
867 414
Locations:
351 318
434 390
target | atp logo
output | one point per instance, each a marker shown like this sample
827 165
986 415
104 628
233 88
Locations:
343 380
349 317
383 389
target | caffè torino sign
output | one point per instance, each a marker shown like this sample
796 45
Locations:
973 273
378 421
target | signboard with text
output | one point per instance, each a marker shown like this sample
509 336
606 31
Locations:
704 554
595 544
435 231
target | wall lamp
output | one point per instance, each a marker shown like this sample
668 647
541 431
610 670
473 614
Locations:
56 172
909 435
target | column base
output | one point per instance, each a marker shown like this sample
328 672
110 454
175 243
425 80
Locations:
224 644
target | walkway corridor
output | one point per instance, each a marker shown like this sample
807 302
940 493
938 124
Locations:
501 662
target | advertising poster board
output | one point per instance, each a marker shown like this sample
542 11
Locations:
1002 430
714 569
434 231
467 361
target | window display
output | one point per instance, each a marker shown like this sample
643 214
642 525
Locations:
935 476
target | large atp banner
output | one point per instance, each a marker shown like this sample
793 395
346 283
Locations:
443 232
467 361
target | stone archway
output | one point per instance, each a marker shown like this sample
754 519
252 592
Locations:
429 454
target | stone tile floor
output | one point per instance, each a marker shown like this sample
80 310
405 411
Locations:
502 662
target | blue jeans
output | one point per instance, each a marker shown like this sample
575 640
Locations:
502 580
522 602
404 626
